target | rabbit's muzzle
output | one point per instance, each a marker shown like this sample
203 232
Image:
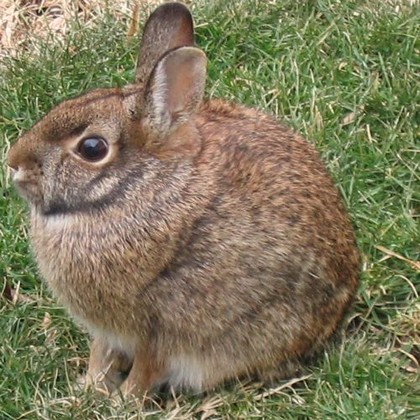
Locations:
26 178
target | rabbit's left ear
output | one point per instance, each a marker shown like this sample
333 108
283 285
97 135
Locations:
175 89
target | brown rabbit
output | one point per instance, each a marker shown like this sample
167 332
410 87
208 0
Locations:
197 241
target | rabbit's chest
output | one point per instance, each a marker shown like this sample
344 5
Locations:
90 271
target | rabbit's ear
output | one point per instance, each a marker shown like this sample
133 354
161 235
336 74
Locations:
175 89
169 26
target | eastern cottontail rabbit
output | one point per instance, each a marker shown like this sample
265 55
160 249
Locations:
197 241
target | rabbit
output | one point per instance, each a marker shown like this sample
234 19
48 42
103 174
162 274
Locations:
197 241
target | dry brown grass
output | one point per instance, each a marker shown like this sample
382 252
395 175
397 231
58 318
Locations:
24 21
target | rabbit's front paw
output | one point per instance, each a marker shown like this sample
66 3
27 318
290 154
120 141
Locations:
108 367
145 374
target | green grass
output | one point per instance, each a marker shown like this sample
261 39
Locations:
346 75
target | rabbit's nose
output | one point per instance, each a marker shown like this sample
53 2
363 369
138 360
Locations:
12 172
21 157
12 162
17 174
17 165
24 154
13 167
13 158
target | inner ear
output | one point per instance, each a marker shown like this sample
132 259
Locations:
169 26
175 89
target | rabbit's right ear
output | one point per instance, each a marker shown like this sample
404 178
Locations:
169 26
175 90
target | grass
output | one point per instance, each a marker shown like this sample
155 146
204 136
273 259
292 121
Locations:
345 74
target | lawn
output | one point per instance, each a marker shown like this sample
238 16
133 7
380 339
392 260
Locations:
343 73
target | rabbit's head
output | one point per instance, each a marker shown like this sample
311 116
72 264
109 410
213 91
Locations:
87 149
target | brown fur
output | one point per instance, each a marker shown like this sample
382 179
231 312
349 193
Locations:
209 244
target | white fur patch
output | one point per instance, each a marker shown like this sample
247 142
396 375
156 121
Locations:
116 342
58 222
18 175
186 371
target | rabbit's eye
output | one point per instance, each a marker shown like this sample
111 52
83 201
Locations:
93 149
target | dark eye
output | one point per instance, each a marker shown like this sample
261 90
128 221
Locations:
93 149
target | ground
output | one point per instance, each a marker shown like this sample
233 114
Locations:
344 74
